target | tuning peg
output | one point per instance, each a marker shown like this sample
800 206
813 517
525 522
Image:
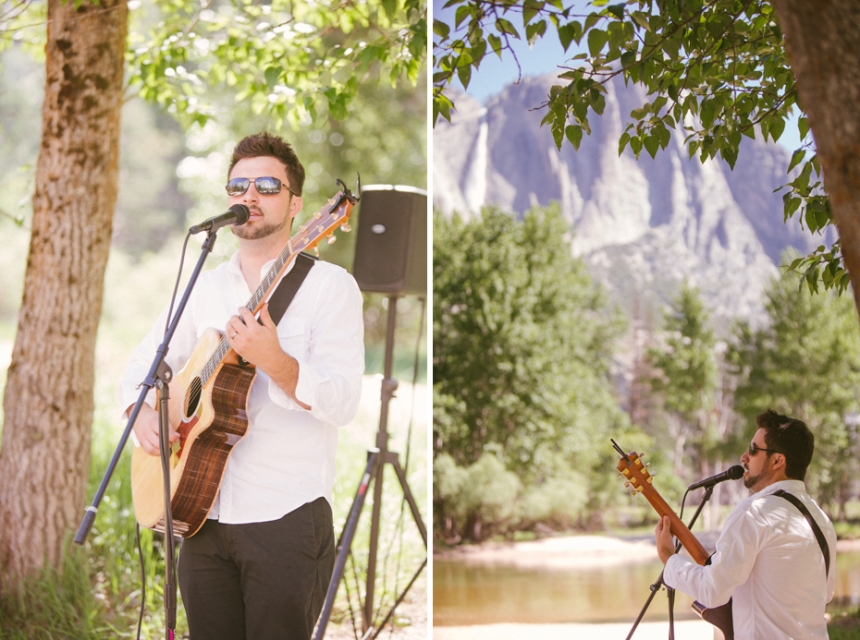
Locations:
626 484
331 238
318 215
317 251
346 228
633 493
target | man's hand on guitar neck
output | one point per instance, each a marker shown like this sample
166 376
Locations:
259 344
146 429
664 539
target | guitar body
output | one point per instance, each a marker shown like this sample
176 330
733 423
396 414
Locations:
210 419
720 617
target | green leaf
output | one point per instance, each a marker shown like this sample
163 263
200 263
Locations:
535 31
641 19
777 125
505 27
568 33
463 12
464 74
530 10
622 142
796 159
616 10
496 44
802 126
574 135
441 29
730 155
652 144
664 136
272 74
596 40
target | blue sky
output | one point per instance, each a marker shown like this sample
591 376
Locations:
545 57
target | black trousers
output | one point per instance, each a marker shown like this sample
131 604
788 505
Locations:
259 581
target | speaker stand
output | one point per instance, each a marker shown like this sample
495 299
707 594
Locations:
377 458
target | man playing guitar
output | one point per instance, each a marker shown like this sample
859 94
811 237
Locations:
260 565
768 558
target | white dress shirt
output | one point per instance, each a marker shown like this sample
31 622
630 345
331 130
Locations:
287 456
769 562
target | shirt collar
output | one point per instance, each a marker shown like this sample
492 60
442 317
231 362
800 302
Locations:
789 486
235 270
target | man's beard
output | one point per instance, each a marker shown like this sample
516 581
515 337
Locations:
255 233
751 481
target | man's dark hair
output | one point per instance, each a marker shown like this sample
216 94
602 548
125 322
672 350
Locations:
790 437
266 144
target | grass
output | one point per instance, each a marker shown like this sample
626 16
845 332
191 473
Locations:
97 593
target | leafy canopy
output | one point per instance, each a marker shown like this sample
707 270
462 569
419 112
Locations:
714 70
290 60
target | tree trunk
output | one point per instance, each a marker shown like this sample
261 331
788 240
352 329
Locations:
823 42
48 402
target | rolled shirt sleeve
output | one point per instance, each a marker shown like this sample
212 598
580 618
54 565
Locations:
330 352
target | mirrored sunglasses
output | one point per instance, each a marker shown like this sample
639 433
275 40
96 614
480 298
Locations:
754 449
265 185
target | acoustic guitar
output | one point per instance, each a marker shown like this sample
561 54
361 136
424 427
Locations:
208 401
639 480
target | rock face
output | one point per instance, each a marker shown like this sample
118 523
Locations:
642 226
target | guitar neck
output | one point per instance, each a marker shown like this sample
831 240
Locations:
639 478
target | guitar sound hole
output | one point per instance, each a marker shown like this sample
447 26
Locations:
192 397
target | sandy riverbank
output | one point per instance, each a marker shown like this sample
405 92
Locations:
684 630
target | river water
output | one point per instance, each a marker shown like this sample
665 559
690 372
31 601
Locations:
470 593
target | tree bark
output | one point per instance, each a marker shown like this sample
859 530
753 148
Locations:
48 402
823 43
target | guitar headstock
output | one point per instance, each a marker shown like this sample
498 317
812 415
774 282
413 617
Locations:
635 473
323 223
640 480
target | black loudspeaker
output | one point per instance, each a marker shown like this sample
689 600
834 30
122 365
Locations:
391 242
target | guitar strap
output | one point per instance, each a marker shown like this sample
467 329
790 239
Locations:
822 541
289 286
286 291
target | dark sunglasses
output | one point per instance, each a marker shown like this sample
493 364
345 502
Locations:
265 185
754 449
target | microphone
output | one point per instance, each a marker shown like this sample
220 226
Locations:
732 473
238 214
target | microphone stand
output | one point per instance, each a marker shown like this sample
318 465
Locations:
159 376
670 592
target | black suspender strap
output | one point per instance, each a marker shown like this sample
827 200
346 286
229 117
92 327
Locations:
289 286
822 541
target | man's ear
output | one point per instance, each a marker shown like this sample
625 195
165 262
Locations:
779 461
295 206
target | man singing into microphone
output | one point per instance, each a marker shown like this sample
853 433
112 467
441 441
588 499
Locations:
260 566
768 559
